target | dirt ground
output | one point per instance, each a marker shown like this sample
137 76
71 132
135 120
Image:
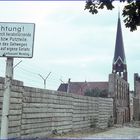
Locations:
114 132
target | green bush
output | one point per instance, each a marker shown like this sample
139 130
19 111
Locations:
96 92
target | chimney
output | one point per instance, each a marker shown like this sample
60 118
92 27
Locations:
68 88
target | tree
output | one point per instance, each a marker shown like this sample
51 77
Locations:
104 93
96 92
131 11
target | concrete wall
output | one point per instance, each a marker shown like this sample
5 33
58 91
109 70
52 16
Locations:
15 107
38 113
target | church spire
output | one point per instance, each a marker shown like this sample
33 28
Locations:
119 61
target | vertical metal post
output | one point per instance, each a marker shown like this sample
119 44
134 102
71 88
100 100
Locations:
44 79
6 98
44 83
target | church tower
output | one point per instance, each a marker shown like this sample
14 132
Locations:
119 61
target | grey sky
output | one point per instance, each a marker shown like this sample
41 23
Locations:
69 42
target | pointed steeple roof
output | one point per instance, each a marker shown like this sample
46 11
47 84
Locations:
119 61
119 53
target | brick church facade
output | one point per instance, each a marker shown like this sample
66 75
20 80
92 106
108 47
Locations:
119 91
116 86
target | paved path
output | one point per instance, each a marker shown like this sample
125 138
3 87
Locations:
122 132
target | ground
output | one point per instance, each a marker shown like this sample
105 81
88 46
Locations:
123 132
115 132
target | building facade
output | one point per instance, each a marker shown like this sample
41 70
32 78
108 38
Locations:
136 85
131 102
119 91
136 99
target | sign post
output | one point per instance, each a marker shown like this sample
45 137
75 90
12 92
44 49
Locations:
16 41
6 98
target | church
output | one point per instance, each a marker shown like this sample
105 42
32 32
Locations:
117 86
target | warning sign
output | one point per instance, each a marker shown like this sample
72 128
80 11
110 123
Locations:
16 39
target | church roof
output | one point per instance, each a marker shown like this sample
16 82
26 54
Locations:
80 87
63 87
119 53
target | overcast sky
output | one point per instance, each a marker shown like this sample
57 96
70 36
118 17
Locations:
69 42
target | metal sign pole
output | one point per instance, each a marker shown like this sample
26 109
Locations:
12 48
6 98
